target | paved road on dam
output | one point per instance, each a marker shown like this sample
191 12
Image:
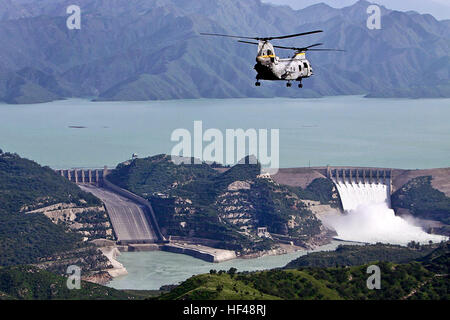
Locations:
128 218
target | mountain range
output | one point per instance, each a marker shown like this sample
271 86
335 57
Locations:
148 50
440 9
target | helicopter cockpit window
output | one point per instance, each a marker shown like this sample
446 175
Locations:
305 65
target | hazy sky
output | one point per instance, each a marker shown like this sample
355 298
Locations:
440 9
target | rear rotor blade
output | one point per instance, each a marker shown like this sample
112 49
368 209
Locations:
289 48
326 50
308 48
314 45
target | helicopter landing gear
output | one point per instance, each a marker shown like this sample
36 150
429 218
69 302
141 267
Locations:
300 85
257 83
288 84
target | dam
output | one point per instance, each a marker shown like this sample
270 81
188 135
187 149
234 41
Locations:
128 218
358 187
132 217
363 193
368 216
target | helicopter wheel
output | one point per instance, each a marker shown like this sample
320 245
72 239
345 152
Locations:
300 85
257 83
288 84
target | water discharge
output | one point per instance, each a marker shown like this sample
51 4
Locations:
354 195
369 218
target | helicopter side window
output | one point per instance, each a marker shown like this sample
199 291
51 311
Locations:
269 53
300 67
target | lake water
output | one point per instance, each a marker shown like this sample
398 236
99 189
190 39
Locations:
348 130
151 270
351 130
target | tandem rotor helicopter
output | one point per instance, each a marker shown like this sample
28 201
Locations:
270 67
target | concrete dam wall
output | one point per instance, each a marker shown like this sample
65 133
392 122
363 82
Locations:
93 176
132 217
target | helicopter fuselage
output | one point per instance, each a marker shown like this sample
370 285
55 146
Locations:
270 67
290 69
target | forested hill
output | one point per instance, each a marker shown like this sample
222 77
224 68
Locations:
24 186
346 255
426 278
151 49
31 283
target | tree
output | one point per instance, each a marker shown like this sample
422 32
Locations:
232 271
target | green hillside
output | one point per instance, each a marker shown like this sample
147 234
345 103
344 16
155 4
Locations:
25 186
423 201
426 278
31 283
353 255
30 238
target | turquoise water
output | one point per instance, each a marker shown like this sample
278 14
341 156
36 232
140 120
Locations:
348 130
151 270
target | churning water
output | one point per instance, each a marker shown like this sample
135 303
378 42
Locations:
369 218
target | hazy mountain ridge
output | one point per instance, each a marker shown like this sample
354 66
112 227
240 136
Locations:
145 50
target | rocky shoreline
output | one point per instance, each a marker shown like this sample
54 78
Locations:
324 238
115 269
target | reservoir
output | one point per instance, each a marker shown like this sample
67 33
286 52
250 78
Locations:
345 130
151 270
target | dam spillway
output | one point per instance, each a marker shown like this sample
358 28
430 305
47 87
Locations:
358 187
132 217
354 195
365 197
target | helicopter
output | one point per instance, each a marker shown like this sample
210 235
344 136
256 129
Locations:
271 67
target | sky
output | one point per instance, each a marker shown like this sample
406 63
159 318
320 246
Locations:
440 9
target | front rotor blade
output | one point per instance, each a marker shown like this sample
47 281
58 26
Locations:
261 38
292 35
248 42
225 35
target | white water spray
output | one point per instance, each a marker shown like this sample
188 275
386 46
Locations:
369 218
